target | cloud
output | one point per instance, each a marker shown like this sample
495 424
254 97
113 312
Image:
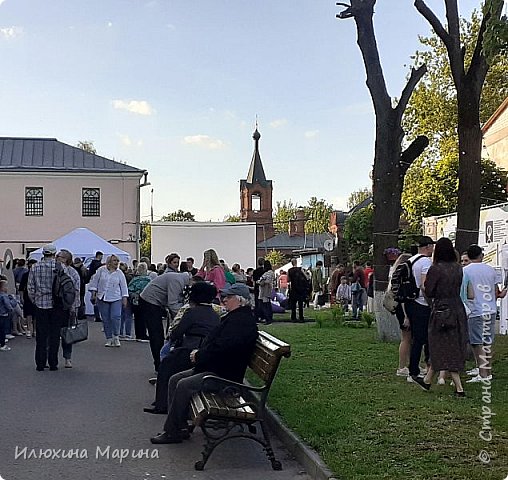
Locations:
129 142
204 141
110 24
2 1
280 122
141 107
11 32
311 133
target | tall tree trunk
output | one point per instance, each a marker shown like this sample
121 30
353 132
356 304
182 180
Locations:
470 146
388 174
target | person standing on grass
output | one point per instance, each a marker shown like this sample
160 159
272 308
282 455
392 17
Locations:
266 283
418 310
317 283
404 324
298 287
358 290
482 319
447 334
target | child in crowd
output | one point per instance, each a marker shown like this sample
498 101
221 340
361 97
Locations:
6 310
343 294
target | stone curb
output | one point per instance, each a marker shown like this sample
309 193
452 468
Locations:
310 460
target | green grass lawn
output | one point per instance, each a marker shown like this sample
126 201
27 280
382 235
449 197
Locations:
339 392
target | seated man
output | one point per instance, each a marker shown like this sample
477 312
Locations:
225 353
196 323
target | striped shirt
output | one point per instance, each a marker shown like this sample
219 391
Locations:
40 283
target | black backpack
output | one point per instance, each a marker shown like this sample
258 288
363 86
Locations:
63 290
403 283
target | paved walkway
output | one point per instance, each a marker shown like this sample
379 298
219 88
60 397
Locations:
95 410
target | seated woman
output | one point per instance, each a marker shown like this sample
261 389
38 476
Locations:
196 323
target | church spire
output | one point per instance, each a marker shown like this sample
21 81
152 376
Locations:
256 172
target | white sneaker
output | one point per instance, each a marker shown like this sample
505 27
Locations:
142 340
409 379
116 342
28 335
441 381
68 363
5 348
402 372
109 343
128 338
478 379
9 336
473 372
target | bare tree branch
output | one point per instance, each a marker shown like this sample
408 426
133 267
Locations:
414 78
452 17
429 15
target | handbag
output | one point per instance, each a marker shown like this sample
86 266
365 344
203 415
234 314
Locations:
389 301
75 332
356 287
445 319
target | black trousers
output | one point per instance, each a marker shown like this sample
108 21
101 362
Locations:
419 316
177 360
152 317
295 300
47 340
139 323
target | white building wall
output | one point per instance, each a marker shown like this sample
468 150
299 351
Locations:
62 209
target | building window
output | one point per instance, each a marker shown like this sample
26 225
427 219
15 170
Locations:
34 201
256 202
91 202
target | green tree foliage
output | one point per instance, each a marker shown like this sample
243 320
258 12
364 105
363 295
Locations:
178 216
431 183
276 258
358 233
496 36
317 213
358 196
87 146
284 212
232 218
145 244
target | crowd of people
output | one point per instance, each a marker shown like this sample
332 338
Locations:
453 312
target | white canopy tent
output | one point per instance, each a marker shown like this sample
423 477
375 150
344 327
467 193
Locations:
83 243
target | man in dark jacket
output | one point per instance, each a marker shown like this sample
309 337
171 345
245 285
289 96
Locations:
225 353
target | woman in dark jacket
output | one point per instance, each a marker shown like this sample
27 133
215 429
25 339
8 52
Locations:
196 323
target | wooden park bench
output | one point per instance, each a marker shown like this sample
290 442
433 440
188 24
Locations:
235 409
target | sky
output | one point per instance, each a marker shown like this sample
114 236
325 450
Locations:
175 87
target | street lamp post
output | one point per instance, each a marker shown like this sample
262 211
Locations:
145 183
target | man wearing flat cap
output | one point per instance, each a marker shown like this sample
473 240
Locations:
225 353
39 288
418 310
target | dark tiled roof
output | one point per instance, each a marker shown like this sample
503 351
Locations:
283 241
362 204
48 154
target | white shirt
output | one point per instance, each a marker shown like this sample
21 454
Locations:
109 285
483 278
421 267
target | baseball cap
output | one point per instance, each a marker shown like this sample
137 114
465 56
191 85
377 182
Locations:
48 249
424 241
237 289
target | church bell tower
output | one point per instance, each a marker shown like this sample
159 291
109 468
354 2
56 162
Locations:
256 196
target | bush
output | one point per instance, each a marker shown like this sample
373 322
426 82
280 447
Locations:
368 318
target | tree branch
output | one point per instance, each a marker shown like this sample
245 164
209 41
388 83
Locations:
414 78
429 15
452 17
411 153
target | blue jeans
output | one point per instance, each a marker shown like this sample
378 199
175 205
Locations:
357 302
111 314
126 322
